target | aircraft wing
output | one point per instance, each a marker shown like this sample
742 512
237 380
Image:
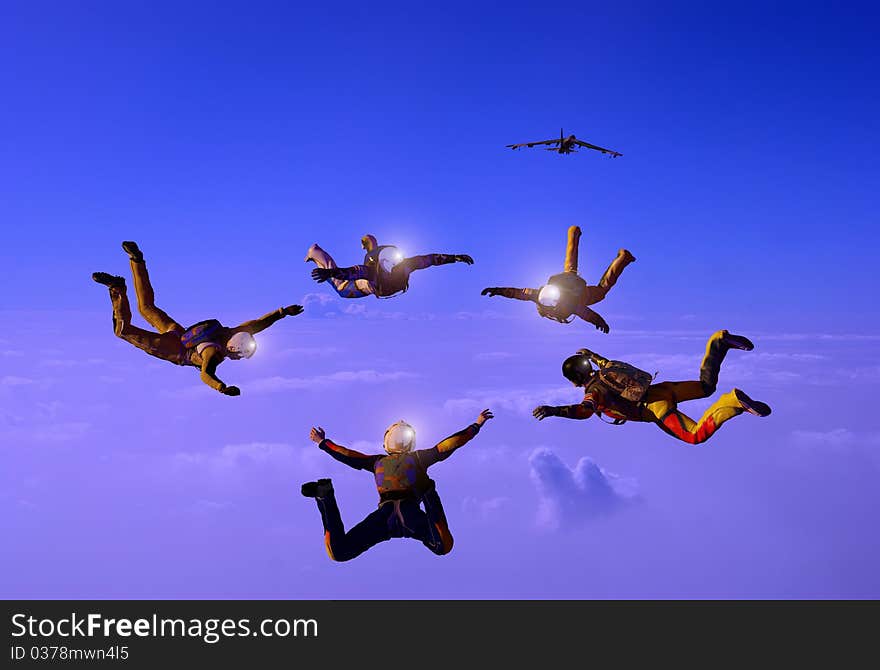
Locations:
532 144
614 154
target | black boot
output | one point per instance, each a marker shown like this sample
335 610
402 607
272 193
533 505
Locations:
755 407
737 342
108 280
318 489
134 253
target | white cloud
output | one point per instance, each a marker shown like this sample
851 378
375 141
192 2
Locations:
11 380
316 299
235 459
513 400
484 509
276 384
573 496
493 356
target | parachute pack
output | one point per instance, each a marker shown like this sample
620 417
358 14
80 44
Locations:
625 380
203 331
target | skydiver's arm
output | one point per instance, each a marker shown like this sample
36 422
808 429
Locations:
596 358
590 316
351 273
413 263
583 410
444 449
211 358
257 325
350 457
529 294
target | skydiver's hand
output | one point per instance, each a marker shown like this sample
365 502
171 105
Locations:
316 435
585 352
322 274
230 390
485 415
463 258
543 411
602 326
292 310
490 291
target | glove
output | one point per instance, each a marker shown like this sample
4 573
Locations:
463 258
322 274
490 291
602 326
543 411
292 310
230 390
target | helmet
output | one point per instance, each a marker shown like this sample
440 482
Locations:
577 369
241 345
400 438
549 295
389 257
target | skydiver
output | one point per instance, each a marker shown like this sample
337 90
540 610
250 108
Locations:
384 272
402 481
655 403
203 345
567 295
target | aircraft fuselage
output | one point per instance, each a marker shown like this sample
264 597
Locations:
566 145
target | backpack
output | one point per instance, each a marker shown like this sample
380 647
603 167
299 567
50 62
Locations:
625 380
203 331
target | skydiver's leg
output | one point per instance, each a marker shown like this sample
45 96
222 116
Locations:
684 428
342 546
438 538
571 249
609 279
661 407
347 288
716 349
675 392
164 346
144 291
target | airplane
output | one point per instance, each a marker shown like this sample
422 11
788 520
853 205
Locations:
565 145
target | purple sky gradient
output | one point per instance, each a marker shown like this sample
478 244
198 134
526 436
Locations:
114 489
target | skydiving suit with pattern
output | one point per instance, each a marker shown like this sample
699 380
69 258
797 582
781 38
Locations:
205 352
660 404
371 278
402 481
575 295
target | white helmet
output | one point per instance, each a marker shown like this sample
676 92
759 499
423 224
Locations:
389 257
549 295
241 345
400 438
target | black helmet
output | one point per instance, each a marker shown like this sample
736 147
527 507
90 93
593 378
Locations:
577 369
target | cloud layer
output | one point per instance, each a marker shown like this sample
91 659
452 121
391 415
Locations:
572 496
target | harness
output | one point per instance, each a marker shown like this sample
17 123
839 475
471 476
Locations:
371 260
200 333
600 411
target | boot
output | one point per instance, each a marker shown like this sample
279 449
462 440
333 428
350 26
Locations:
108 280
736 341
755 407
134 253
318 489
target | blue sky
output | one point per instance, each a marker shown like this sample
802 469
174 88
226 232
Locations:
228 139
